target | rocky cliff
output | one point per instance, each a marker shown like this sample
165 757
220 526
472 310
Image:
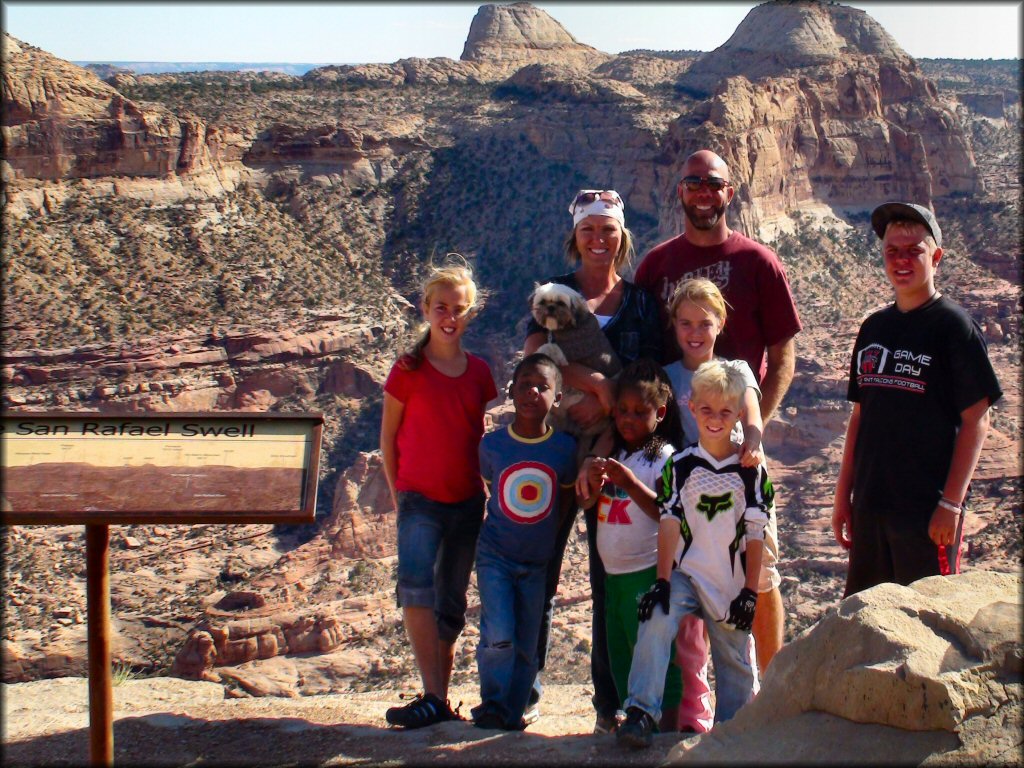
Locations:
814 103
61 121
826 113
237 369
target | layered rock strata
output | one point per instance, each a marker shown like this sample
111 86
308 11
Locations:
238 369
814 104
61 121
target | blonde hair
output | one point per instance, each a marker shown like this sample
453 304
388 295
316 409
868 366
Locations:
622 259
454 272
699 290
716 377
909 225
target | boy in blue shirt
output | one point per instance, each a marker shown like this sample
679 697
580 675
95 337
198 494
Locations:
529 470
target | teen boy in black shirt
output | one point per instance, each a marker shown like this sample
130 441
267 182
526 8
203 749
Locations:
921 385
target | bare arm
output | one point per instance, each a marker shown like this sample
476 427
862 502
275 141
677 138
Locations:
591 475
777 377
842 504
753 428
639 493
566 504
974 422
589 482
755 549
389 423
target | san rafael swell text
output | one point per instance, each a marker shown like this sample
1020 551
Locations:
133 429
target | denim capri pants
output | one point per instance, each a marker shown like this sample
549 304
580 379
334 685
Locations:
436 552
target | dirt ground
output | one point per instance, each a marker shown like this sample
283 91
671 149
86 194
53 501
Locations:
165 721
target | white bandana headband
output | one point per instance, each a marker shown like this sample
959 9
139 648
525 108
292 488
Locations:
597 202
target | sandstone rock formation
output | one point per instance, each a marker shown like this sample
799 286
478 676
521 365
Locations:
941 648
557 82
814 103
777 37
61 121
893 676
239 369
354 159
645 69
510 36
362 520
271 615
411 71
501 40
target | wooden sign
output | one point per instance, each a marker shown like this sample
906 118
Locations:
231 467
96 469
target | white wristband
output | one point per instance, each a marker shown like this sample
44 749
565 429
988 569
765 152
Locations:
947 504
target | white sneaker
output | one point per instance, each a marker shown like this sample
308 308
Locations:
532 713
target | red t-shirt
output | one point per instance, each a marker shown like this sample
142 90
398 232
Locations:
761 311
438 441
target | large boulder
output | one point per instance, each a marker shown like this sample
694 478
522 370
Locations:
894 675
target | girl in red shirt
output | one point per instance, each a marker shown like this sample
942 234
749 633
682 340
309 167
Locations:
434 403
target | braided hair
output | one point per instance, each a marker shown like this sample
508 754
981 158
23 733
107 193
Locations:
649 380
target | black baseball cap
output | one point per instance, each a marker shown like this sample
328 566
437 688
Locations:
886 212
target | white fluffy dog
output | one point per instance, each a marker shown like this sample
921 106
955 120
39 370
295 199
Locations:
574 336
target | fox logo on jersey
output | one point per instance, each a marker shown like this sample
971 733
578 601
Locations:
712 505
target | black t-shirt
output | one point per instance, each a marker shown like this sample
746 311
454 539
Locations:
633 331
913 373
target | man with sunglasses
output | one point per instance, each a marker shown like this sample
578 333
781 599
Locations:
761 325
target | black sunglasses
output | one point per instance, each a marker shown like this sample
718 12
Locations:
714 183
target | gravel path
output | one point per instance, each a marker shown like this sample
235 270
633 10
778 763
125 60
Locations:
166 721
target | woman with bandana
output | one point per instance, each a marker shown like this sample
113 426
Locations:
600 248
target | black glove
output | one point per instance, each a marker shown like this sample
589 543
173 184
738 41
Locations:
741 610
656 595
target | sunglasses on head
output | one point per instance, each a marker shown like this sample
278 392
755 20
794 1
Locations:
587 196
714 183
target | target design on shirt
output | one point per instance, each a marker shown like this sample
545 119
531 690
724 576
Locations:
527 491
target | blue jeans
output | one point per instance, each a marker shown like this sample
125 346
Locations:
436 546
511 609
734 675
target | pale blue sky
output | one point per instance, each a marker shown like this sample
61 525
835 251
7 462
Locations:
326 32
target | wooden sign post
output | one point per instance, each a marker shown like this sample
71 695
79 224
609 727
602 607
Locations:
97 607
96 469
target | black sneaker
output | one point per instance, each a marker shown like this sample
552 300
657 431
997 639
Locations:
638 730
520 726
425 709
490 721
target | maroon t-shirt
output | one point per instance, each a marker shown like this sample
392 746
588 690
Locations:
761 311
